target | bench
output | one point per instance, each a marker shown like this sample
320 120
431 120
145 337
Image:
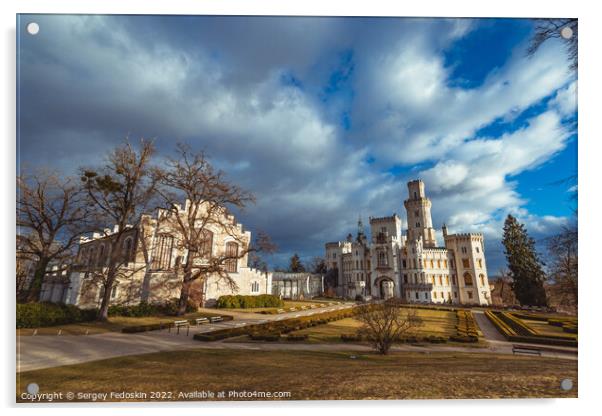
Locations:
215 319
280 311
181 324
201 321
525 349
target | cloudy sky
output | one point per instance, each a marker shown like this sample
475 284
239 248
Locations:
323 119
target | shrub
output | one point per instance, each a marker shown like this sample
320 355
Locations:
265 336
351 337
149 309
245 302
295 338
34 315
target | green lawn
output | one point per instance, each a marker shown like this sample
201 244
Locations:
434 322
114 324
315 375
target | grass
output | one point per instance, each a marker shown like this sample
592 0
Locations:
545 329
315 375
434 322
114 324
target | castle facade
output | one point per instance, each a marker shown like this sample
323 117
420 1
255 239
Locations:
411 265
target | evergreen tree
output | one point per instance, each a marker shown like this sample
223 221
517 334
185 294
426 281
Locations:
295 265
524 264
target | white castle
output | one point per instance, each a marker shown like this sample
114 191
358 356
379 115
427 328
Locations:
411 266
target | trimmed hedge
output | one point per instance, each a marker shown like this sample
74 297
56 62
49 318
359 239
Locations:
512 332
149 309
245 302
282 327
35 315
466 328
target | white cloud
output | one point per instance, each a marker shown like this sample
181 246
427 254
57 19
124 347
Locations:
221 88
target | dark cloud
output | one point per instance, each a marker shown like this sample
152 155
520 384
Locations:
265 97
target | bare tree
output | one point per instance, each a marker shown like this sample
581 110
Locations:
503 287
119 192
563 265
546 29
51 217
208 195
316 265
385 323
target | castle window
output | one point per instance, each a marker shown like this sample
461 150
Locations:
454 279
435 295
469 293
447 280
465 263
404 264
482 279
417 295
433 279
405 278
464 250
127 250
163 252
206 244
467 279
101 255
232 257
442 295
445 264
432 264
455 295
480 263
418 225
114 291
382 259
438 264
440 280
477 248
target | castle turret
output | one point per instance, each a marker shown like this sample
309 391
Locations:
418 210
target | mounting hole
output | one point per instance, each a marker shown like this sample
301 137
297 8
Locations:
566 32
33 388
566 384
33 28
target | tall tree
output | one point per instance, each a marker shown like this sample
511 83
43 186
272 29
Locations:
317 265
51 217
295 264
546 29
208 195
524 264
563 265
119 192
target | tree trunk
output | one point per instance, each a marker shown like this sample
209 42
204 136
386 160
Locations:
103 313
184 294
35 287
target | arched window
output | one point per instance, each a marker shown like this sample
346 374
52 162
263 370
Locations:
482 279
90 256
101 255
467 279
232 256
206 244
382 258
127 249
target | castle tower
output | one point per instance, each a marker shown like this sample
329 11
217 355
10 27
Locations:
418 210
